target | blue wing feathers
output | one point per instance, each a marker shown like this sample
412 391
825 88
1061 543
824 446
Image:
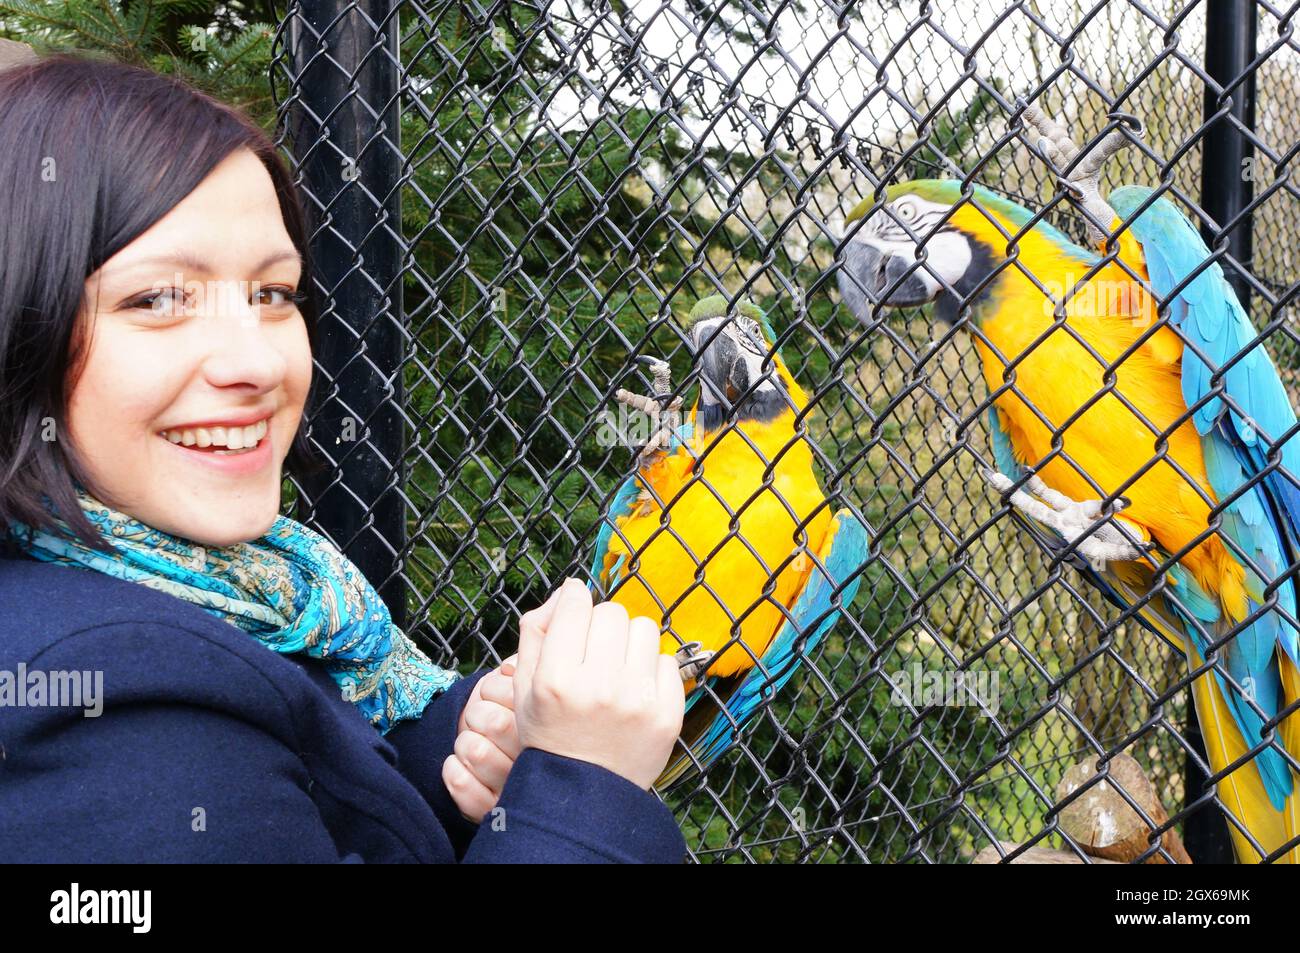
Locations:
1003 458
619 509
1237 437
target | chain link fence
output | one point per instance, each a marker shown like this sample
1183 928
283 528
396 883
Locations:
513 200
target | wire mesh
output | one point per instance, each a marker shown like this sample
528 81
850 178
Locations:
562 181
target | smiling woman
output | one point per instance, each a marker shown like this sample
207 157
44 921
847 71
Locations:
207 298
156 339
148 284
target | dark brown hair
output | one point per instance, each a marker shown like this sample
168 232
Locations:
127 145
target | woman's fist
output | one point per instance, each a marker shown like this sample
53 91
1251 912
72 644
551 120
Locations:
487 744
591 684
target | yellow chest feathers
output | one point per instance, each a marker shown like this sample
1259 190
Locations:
748 484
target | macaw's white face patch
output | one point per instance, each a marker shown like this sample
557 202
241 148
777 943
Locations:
904 255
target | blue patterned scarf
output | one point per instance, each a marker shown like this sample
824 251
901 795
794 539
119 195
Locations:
290 589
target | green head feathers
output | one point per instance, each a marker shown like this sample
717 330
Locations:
948 192
715 306
941 191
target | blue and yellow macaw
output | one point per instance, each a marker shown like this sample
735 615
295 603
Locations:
1199 375
724 536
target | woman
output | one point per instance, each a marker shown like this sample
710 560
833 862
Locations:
155 360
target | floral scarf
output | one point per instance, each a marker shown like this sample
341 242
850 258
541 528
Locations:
290 589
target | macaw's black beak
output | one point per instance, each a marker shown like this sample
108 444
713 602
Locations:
738 375
724 373
871 277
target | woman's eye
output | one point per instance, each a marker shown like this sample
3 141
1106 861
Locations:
286 296
167 301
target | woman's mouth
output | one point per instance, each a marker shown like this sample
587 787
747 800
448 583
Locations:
234 451
223 441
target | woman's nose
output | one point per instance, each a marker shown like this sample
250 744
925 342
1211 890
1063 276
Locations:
239 349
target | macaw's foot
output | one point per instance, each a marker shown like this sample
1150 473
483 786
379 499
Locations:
692 662
1073 518
1084 180
667 418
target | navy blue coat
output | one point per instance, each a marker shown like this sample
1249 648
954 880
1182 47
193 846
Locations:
212 748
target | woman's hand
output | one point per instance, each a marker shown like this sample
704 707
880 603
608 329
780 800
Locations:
487 743
591 684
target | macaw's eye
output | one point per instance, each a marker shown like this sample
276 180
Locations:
753 336
907 212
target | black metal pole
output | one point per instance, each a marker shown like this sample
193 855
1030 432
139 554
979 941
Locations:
1227 182
346 138
1226 189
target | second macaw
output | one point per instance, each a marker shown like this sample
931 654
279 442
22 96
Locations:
725 537
1145 384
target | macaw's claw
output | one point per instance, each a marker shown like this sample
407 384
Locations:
667 418
1112 541
1084 181
691 661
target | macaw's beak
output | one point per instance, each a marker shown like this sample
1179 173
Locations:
729 360
722 368
871 277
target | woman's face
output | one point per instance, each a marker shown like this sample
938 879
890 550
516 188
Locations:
196 350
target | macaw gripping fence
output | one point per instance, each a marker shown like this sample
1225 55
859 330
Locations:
511 201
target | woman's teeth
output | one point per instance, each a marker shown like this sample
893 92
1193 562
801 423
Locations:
234 439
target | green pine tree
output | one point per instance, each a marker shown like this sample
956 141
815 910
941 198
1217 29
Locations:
222 48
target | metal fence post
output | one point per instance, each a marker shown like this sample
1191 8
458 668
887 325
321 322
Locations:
1226 191
346 140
